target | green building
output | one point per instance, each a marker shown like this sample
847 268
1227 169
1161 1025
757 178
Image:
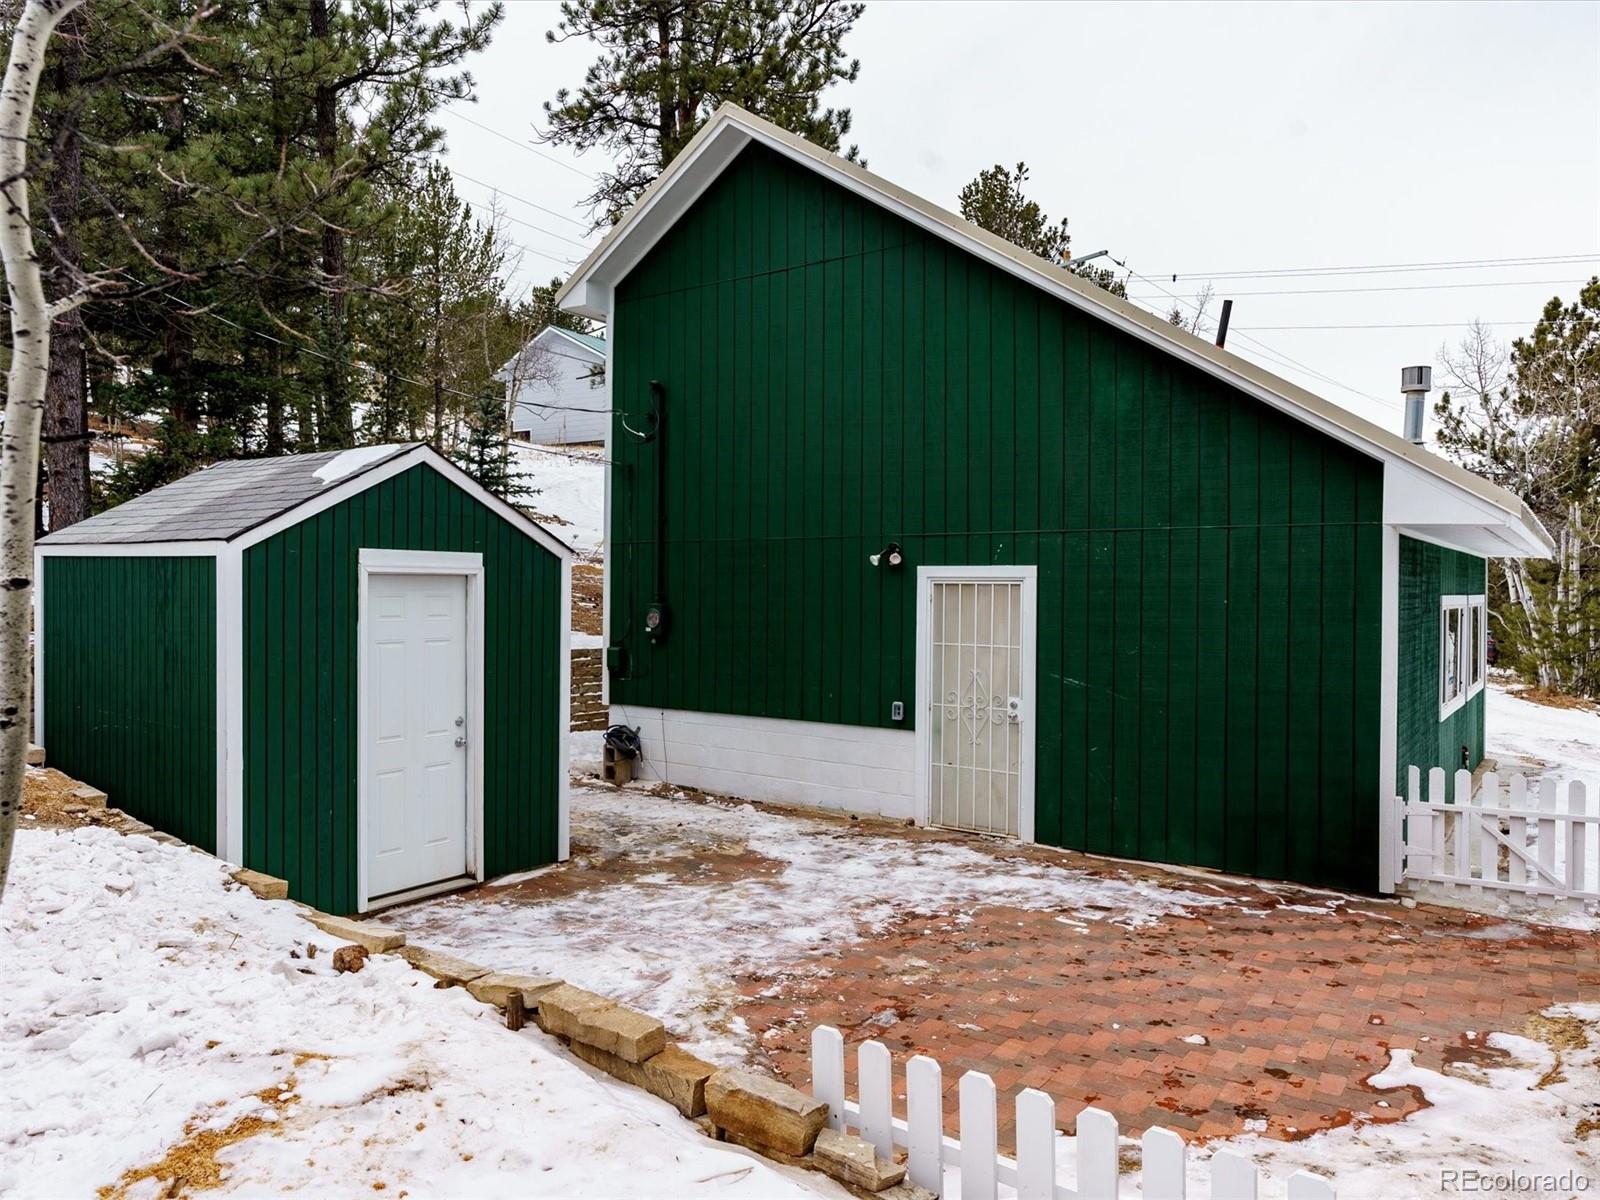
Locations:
348 670
905 520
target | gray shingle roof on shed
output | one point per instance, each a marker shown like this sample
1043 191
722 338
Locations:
222 501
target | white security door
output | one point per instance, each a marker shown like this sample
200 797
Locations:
977 659
415 694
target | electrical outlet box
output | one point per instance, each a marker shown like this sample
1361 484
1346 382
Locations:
897 711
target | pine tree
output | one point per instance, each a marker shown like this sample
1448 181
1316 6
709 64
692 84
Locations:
665 66
1528 418
485 451
995 201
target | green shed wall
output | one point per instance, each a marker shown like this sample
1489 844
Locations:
1209 570
1427 573
130 684
300 598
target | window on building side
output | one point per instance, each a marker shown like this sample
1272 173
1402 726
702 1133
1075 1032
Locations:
1463 645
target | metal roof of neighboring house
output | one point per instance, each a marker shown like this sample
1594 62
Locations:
221 501
552 333
1453 504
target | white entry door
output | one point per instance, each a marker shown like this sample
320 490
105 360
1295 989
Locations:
978 664
415 695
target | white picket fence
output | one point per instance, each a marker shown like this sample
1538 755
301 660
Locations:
1500 840
981 1169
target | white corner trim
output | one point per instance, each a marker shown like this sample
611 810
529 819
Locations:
38 647
605 516
1388 707
564 713
423 562
230 705
1028 576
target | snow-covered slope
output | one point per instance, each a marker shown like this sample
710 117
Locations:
149 1005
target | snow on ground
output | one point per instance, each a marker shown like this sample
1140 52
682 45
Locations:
675 946
1537 739
152 1009
1540 741
1537 1112
570 483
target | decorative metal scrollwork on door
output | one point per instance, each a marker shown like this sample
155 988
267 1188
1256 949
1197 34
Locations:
977 707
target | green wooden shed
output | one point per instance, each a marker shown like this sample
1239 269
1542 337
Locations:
908 521
348 670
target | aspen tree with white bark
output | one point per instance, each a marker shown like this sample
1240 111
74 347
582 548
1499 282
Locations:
1527 416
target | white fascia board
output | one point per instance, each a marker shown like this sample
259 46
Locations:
206 549
556 333
731 129
1415 500
423 455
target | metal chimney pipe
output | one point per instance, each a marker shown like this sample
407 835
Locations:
1415 384
1222 325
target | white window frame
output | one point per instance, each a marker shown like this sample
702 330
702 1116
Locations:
1471 650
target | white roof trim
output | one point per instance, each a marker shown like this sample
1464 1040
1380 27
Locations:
731 128
565 336
422 454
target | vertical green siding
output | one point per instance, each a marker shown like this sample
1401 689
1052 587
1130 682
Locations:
1428 572
130 657
836 378
300 596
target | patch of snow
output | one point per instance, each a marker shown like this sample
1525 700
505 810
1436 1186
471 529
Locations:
134 1018
1197 1039
587 641
676 947
350 462
570 486
1518 1117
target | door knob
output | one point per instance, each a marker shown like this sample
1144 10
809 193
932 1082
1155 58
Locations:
460 742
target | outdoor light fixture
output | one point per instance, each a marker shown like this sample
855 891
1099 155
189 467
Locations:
889 554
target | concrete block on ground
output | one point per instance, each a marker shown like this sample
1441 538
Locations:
494 987
855 1161
265 887
444 967
378 939
674 1074
35 756
759 1108
92 796
604 1024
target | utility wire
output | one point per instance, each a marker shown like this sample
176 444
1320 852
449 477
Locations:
1404 287
1278 355
1397 325
505 137
500 191
422 383
1465 264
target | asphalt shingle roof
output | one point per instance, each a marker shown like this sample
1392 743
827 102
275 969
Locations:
222 501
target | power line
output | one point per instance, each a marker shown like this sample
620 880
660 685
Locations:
1398 325
1464 264
505 137
423 383
1279 356
555 258
1404 287
500 191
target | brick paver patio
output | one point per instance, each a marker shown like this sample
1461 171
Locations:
1268 1013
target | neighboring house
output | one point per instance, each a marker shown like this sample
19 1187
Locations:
348 670
556 388
922 525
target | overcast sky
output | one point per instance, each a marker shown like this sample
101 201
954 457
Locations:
1196 139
